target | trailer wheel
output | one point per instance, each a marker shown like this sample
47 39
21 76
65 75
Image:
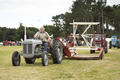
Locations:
57 52
110 45
102 55
118 44
106 50
45 58
91 51
30 61
16 59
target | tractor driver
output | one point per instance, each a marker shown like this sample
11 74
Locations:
43 36
76 32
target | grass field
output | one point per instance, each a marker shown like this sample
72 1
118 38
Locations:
106 69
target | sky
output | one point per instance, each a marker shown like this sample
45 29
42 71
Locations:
34 13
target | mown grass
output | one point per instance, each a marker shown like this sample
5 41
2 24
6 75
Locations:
106 69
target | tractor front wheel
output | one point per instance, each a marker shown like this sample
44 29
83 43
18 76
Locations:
16 59
45 58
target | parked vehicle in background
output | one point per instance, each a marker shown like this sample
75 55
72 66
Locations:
11 43
1 43
99 39
5 43
114 42
18 43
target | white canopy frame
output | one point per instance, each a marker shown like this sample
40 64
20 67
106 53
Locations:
84 36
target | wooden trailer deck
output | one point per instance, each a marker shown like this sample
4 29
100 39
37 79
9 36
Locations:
89 56
86 55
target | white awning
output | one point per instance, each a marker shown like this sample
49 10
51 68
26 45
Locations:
85 23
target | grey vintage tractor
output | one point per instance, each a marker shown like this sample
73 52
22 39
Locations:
33 49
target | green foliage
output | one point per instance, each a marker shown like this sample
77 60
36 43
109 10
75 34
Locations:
31 32
80 11
2 33
112 17
16 34
20 32
10 34
90 11
53 30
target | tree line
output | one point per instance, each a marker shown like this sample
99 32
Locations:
12 34
80 11
90 11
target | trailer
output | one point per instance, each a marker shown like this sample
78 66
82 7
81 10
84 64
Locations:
69 47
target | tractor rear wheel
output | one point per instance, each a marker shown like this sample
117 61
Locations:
57 52
45 58
16 59
30 61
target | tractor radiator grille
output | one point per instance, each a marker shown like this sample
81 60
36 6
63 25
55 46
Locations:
113 42
27 48
24 48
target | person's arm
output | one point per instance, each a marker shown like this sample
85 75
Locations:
71 32
35 36
77 32
48 37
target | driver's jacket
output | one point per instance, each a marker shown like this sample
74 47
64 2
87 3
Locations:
42 36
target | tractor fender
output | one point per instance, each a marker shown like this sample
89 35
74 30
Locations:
51 42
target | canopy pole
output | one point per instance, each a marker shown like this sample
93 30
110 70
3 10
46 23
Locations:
25 33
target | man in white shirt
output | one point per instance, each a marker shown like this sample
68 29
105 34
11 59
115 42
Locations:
43 36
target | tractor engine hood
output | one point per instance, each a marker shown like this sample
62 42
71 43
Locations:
32 41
